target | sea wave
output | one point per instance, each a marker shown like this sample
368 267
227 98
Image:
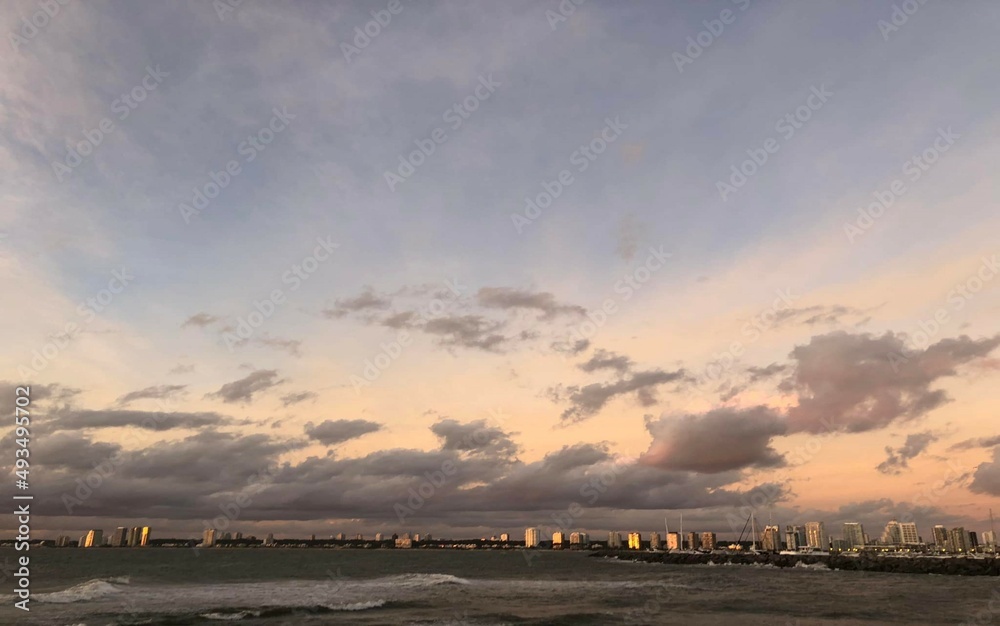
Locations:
423 580
358 606
230 617
90 590
816 567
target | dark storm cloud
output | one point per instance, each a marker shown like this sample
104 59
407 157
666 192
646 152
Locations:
717 441
332 432
981 442
147 420
897 459
294 398
467 331
367 300
543 302
476 437
37 393
157 392
201 320
588 400
603 359
243 390
986 478
860 382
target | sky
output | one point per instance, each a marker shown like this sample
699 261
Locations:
469 267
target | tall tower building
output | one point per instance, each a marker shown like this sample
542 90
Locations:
792 538
634 541
673 541
208 539
940 537
958 540
854 535
771 539
94 539
816 536
530 537
708 541
144 535
908 534
892 535
655 543
693 542
120 538
269 540
557 538
614 539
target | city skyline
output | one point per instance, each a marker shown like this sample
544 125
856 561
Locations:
462 278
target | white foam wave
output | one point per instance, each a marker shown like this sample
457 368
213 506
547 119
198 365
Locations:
90 590
816 567
230 617
358 606
424 580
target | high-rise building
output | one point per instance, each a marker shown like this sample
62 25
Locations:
973 541
238 536
673 541
708 541
634 541
144 537
655 543
693 543
941 538
892 535
854 535
530 537
133 536
958 540
580 539
816 536
93 539
792 538
120 538
82 542
614 539
378 536
908 534
269 539
208 538
990 539
504 537
557 538
771 539
340 536
62 541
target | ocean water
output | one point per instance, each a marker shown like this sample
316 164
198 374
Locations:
100 587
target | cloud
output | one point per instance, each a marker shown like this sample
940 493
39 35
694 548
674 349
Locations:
475 437
588 400
158 392
295 398
629 231
544 302
898 459
981 442
757 374
467 331
291 346
243 390
181 369
201 320
333 432
367 300
986 478
572 348
603 359
816 314
720 440
38 392
860 382
148 420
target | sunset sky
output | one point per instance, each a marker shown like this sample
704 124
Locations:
700 255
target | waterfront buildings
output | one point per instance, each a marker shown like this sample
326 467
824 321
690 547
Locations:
854 535
771 539
693 543
557 538
792 538
708 541
816 536
634 541
941 537
958 540
530 537
579 539
655 543
120 538
614 539
908 534
208 538
93 539
673 541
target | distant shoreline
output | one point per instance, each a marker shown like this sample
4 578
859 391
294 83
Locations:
953 566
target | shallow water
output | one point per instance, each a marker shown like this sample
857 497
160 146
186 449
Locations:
101 587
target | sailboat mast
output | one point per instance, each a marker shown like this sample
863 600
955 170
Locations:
753 531
993 532
682 531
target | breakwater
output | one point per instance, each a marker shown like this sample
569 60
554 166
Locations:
861 563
